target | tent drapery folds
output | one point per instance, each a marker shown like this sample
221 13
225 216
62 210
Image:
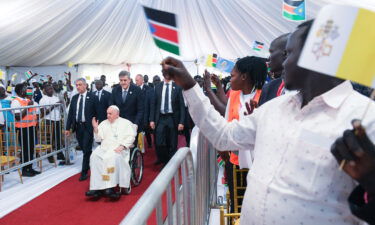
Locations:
40 32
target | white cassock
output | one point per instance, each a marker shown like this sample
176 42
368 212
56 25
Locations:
109 168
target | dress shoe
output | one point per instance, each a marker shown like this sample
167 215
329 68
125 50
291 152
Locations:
35 172
27 173
110 192
94 193
83 177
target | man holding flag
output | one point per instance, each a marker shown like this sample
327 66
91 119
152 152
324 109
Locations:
295 179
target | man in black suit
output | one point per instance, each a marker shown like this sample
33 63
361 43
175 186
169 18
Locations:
83 108
167 118
104 98
146 92
277 56
129 98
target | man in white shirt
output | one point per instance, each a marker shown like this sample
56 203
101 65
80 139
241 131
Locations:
52 116
294 178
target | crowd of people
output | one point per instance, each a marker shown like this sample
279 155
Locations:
285 132
288 126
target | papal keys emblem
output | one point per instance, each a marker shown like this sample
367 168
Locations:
327 33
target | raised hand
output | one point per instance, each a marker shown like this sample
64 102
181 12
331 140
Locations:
177 71
215 80
206 80
358 151
250 106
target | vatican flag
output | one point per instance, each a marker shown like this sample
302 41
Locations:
341 43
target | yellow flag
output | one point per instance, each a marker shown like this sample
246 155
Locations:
88 78
14 77
1 74
70 64
341 43
209 61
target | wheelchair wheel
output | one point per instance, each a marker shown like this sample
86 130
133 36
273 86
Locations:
136 164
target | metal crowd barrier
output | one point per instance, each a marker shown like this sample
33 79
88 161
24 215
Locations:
47 137
195 195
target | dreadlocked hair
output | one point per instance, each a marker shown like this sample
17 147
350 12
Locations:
255 69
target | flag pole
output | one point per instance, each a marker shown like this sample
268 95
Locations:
372 97
161 55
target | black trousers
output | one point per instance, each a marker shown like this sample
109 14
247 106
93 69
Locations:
56 137
148 132
165 138
26 137
84 135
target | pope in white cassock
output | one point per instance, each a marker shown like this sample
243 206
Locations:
109 162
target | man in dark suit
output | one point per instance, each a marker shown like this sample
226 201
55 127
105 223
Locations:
129 98
277 56
83 108
146 92
104 98
167 118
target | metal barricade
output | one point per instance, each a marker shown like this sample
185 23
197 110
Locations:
24 142
182 211
206 180
196 194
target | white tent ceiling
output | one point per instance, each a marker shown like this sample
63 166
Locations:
41 32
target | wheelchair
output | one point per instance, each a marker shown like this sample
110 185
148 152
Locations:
136 166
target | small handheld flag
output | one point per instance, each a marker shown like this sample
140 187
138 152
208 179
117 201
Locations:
341 44
70 64
28 74
9 89
258 46
209 61
294 10
14 77
214 59
29 91
163 28
1 74
224 65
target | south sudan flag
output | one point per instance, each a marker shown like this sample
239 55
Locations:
294 10
258 46
163 29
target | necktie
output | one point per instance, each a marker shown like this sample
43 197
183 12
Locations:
124 93
99 94
166 99
80 109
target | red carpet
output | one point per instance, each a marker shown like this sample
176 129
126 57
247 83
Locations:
66 203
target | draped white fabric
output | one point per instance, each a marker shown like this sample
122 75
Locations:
39 32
